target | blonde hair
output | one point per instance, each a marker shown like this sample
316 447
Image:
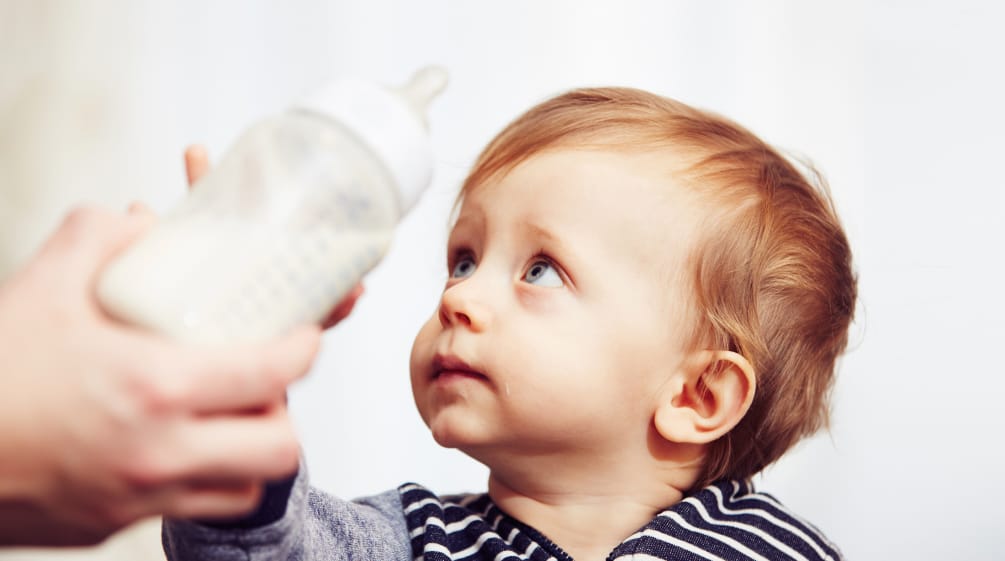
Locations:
772 276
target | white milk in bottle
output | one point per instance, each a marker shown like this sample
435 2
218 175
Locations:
295 213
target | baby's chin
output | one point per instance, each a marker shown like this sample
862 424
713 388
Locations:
447 435
450 429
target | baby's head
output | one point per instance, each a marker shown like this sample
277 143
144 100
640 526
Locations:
635 280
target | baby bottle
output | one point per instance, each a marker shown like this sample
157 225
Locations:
300 207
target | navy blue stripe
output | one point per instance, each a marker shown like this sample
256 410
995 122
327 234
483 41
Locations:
752 541
527 535
767 503
745 499
663 550
736 496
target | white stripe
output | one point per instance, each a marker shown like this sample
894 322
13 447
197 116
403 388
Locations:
512 535
746 528
672 540
634 536
638 557
419 504
461 524
504 554
481 539
495 523
809 526
719 537
448 528
435 548
422 529
478 545
771 518
409 487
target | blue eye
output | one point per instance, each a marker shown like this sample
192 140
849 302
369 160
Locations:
543 273
465 267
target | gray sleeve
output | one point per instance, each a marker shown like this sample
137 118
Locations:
315 527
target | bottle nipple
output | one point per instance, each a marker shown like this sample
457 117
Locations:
420 90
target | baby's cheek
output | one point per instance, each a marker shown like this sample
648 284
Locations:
423 349
425 336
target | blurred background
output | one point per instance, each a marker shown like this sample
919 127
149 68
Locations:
898 103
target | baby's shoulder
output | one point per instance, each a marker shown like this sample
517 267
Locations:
754 524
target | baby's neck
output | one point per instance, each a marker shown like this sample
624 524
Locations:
585 519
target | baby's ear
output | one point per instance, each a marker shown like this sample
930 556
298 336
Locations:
706 402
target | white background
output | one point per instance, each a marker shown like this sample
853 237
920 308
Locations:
897 102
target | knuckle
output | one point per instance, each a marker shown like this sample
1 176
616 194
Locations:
145 471
156 392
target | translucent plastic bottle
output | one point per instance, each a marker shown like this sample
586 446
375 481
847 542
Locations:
300 207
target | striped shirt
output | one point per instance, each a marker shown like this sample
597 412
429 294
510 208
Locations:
724 521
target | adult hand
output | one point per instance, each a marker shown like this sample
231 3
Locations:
102 424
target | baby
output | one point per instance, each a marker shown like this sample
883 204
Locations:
644 309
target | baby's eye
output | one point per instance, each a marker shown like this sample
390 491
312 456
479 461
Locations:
463 268
543 273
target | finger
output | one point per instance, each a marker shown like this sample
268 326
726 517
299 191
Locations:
246 376
196 163
343 308
214 501
234 447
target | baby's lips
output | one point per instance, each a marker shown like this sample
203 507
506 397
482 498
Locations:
451 363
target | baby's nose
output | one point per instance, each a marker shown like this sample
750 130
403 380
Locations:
460 308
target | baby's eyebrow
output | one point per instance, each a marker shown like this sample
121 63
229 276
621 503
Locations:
542 232
553 241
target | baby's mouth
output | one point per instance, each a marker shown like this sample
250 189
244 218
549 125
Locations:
449 366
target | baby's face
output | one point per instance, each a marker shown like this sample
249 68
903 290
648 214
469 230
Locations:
564 308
